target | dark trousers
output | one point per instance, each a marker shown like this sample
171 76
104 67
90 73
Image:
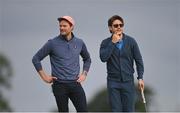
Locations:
73 91
121 96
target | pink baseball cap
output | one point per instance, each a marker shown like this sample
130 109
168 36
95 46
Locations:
68 18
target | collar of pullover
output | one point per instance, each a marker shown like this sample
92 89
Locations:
64 38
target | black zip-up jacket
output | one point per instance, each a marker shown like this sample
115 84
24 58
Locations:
120 62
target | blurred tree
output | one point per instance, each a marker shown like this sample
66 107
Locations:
5 74
100 101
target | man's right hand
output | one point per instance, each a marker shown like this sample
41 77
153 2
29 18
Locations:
49 79
116 37
46 78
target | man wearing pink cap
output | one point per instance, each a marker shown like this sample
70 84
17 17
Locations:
64 51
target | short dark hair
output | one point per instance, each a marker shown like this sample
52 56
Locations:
113 18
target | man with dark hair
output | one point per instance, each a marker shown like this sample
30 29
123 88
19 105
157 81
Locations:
64 51
119 52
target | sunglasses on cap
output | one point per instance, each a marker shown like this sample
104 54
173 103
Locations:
117 25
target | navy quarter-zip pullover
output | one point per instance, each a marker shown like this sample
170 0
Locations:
64 57
120 62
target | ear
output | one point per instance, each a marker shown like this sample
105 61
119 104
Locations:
72 27
110 29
